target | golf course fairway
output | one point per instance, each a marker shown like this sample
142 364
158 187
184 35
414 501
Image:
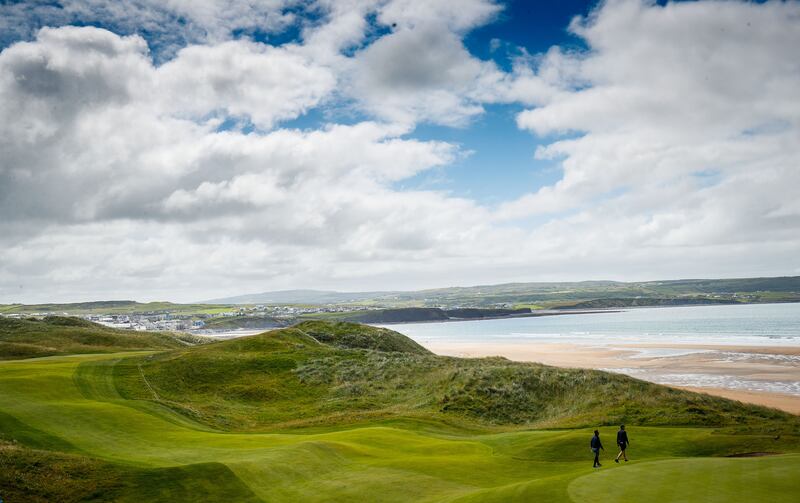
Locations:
49 408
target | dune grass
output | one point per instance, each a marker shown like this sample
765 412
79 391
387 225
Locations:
322 373
83 420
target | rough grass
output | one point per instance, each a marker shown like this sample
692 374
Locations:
354 336
318 373
56 335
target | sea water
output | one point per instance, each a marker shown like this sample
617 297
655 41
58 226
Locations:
734 325
756 325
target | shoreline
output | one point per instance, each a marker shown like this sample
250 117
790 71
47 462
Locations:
786 403
533 314
761 375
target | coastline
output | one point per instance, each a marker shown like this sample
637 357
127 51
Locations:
533 314
762 375
787 403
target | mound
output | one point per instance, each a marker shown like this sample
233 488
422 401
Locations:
322 373
54 335
354 336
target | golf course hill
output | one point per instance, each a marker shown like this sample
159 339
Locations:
321 373
341 412
60 335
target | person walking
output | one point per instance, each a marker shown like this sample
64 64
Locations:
596 445
622 442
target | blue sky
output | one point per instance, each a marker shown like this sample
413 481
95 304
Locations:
499 164
205 148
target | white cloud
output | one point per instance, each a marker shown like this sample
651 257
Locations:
111 173
421 71
680 156
681 129
171 23
241 78
455 16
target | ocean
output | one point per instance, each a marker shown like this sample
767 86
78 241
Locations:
751 347
745 324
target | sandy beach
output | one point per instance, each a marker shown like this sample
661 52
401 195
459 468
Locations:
789 403
765 375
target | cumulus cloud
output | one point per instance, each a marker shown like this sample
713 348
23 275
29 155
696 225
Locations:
679 131
170 24
421 71
108 171
240 78
127 170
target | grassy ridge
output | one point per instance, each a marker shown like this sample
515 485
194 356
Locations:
779 289
56 335
345 335
322 373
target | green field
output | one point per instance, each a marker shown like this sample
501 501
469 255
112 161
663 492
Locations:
217 423
59 335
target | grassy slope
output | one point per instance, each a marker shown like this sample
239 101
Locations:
344 335
68 432
308 375
57 335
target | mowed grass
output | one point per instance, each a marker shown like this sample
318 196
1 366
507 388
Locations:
773 479
69 433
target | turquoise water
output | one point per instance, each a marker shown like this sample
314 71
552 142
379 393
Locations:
754 324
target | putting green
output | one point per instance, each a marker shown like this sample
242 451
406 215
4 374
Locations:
70 404
772 479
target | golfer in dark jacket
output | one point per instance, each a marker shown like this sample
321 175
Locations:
622 442
596 445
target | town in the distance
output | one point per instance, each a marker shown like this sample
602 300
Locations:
283 308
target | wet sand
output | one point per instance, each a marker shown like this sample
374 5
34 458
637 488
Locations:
764 375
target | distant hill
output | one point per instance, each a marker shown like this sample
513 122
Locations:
56 335
422 314
299 297
779 289
647 302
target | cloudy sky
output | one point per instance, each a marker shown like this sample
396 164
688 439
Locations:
190 149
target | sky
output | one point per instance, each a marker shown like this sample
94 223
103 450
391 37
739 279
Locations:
191 149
